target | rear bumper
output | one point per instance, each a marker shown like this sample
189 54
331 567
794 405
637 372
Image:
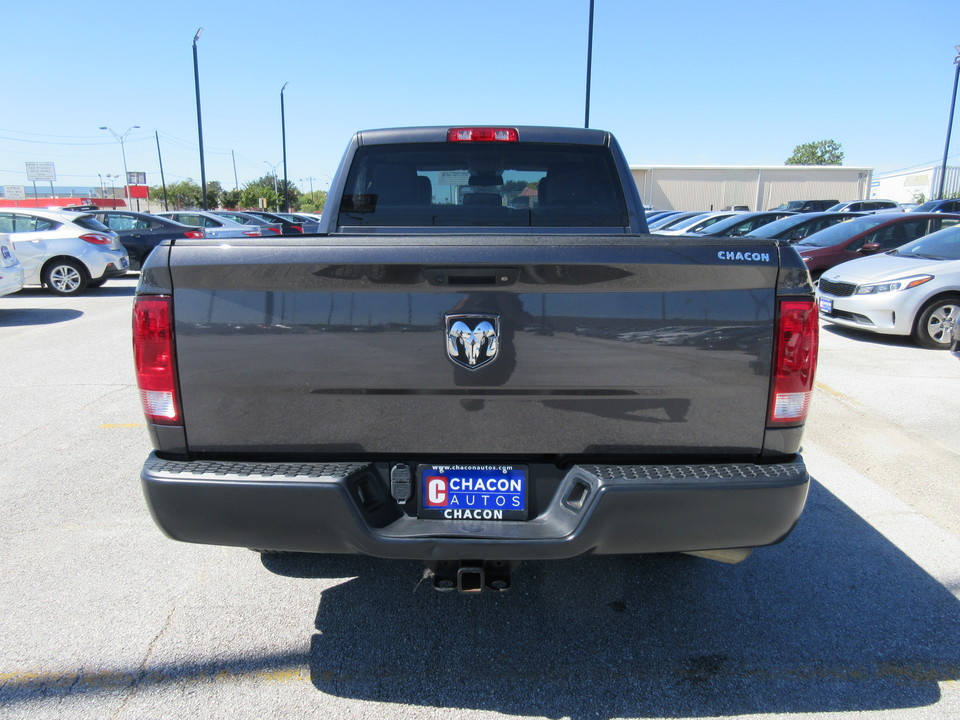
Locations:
603 509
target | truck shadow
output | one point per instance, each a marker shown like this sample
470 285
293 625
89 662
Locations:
836 619
23 317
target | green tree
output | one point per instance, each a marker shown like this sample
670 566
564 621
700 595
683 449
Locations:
230 199
214 192
252 192
185 195
819 152
180 195
313 202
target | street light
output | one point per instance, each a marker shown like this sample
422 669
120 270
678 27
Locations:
283 134
121 139
273 171
586 112
196 80
113 192
953 105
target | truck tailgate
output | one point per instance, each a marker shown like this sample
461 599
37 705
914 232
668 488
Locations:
339 347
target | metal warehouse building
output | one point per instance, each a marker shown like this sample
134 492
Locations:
688 187
915 185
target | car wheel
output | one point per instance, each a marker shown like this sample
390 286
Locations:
932 329
66 277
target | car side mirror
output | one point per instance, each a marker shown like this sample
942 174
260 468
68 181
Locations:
870 248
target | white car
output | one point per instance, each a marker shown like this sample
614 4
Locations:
64 251
11 271
866 206
913 290
699 222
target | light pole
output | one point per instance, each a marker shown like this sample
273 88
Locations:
283 135
953 104
102 191
586 114
273 171
121 139
196 81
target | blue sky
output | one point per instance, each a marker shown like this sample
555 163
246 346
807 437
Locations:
692 82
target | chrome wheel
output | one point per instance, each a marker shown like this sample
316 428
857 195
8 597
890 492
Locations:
938 326
934 324
66 277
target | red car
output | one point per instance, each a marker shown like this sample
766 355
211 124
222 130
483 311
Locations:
867 235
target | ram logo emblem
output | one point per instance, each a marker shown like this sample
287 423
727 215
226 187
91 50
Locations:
473 340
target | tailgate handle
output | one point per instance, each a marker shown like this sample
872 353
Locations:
471 276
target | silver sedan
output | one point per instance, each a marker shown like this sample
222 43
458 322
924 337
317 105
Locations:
213 225
913 290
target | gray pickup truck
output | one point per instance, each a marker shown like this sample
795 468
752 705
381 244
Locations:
481 358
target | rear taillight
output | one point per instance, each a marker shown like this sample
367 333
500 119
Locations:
95 239
275 230
195 234
795 361
298 228
482 134
154 358
255 232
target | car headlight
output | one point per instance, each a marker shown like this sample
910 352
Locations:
893 285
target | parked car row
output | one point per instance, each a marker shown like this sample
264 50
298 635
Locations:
68 251
878 269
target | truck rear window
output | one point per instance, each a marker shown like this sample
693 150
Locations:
483 184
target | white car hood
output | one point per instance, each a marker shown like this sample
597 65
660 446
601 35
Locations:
878 268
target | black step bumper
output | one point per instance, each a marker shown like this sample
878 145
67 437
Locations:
603 509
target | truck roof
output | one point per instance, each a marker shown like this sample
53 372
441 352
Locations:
527 133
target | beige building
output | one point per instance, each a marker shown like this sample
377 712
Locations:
681 187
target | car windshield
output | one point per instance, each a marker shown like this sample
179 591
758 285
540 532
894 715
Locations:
698 220
729 222
844 231
772 229
792 205
668 222
928 206
941 245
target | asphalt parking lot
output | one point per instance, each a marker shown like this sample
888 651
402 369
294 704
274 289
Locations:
858 612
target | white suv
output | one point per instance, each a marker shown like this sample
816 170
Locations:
67 252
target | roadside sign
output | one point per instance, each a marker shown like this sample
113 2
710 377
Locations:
136 178
14 192
41 171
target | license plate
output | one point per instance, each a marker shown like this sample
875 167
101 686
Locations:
6 253
124 263
826 306
473 492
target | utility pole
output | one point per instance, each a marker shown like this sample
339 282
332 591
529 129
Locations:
196 80
162 179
